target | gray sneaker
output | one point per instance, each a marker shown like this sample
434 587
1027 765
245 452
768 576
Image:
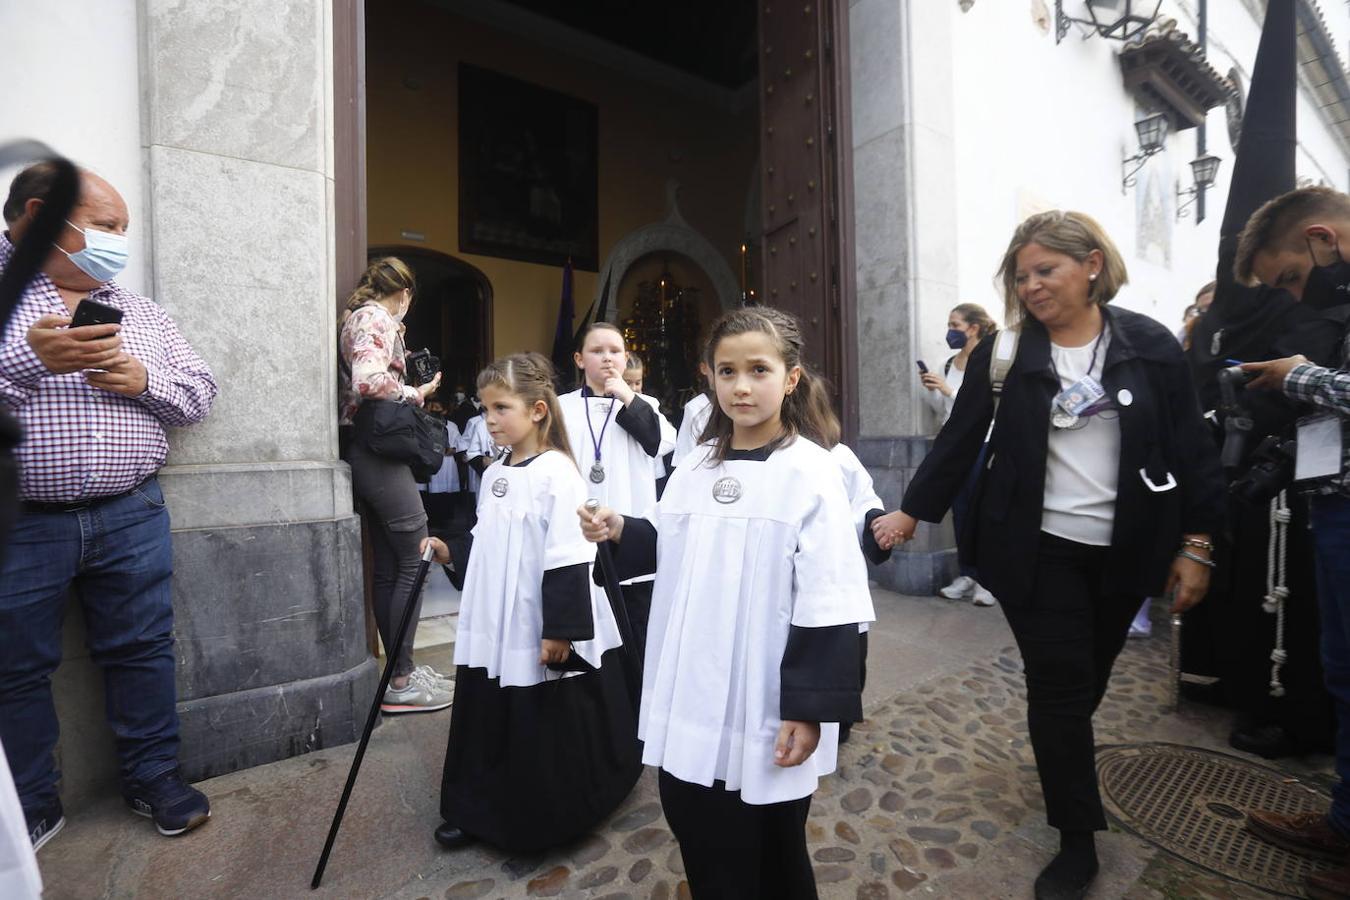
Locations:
421 695
441 681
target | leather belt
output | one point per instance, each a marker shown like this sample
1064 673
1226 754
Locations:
40 507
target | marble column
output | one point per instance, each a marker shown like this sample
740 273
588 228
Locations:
238 125
905 226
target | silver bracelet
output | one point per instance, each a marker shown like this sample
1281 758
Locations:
1186 554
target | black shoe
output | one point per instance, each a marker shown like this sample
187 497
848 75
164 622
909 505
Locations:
450 837
175 806
1267 741
1071 873
43 824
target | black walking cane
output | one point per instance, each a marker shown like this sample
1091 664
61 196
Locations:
392 654
605 559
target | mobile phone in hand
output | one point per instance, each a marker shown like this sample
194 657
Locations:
91 312
923 369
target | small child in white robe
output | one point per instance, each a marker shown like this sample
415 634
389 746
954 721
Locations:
542 739
752 652
618 438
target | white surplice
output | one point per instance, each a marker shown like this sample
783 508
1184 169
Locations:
745 550
527 524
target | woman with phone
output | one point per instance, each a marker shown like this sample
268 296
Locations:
967 325
373 366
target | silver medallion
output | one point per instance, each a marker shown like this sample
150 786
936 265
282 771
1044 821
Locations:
499 487
1061 419
597 472
726 490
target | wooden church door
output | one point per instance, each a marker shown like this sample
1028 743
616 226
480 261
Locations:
806 177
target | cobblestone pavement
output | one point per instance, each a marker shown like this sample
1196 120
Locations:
936 795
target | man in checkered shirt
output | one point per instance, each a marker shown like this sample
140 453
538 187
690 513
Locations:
1298 242
93 402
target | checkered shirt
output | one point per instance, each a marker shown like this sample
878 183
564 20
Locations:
82 442
1329 391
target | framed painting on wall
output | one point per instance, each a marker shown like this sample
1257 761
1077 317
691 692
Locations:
528 172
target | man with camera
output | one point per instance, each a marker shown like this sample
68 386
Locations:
1293 243
94 373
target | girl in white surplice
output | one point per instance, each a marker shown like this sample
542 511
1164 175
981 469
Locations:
542 739
752 649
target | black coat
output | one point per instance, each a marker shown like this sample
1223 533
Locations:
1162 438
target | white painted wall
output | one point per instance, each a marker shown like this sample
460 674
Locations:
1040 126
72 80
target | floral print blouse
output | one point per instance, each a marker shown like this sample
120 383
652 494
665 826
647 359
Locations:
373 361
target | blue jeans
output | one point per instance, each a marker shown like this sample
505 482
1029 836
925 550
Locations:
1330 517
118 556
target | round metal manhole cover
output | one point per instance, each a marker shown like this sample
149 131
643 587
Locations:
1193 803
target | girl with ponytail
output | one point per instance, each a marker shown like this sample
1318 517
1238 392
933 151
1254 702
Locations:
542 736
752 648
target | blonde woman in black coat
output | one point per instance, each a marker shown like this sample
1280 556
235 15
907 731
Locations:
1100 474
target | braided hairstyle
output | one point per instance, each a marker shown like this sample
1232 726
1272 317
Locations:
385 276
529 376
801 411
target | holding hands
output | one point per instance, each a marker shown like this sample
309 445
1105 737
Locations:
893 529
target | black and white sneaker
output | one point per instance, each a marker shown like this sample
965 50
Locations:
44 824
175 806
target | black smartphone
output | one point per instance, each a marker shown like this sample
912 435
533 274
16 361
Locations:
923 369
91 312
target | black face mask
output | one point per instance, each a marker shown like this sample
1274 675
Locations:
1328 285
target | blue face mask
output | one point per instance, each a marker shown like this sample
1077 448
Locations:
956 339
104 254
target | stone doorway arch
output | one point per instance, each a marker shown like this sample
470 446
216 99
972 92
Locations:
671 235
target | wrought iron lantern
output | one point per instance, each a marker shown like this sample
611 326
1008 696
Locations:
1152 132
1204 170
1120 20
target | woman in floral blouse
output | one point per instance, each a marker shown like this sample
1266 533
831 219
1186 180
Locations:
372 368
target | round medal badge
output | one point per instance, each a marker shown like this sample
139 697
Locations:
499 487
726 490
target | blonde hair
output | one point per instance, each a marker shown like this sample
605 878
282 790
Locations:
975 314
801 410
1074 234
635 363
1276 224
385 276
529 376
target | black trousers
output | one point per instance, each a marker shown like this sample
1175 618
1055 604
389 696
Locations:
1069 633
734 850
